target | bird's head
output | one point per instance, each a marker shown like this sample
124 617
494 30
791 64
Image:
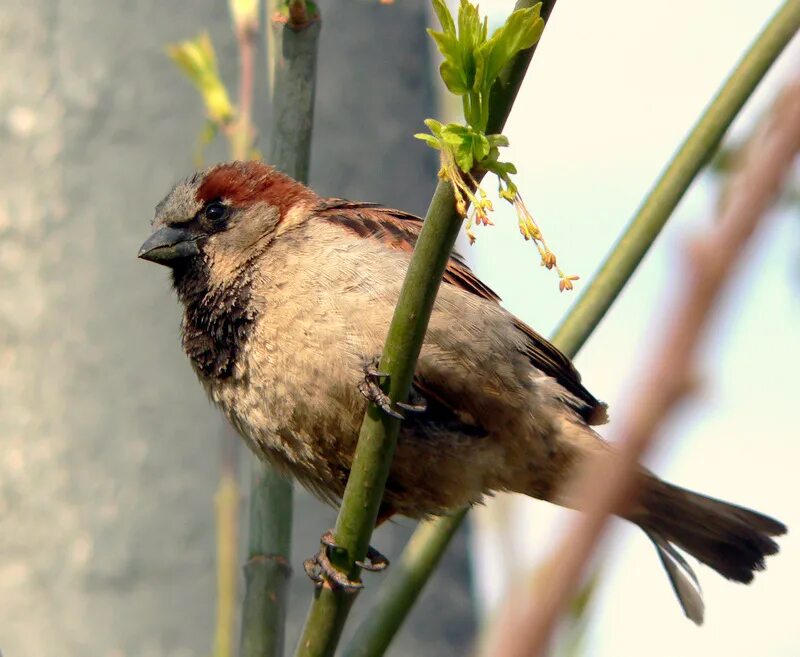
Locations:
219 215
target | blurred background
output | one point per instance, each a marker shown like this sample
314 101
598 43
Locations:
108 448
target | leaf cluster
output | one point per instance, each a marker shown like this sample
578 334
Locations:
472 63
473 59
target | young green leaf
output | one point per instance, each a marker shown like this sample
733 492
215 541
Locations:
444 16
496 141
454 78
434 126
448 45
463 155
432 141
480 146
520 32
471 34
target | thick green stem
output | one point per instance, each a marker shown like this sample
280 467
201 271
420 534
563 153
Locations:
385 619
400 591
267 572
378 436
294 47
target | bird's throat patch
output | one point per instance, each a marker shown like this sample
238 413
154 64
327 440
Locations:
217 321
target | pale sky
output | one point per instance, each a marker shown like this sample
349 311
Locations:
612 91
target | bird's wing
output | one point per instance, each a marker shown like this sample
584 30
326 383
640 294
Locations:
400 230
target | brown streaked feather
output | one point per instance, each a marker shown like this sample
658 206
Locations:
546 357
400 230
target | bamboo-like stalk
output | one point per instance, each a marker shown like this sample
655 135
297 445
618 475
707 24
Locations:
267 569
386 617
378 434
294 36
399 592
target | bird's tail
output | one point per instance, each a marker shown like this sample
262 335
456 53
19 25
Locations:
731 539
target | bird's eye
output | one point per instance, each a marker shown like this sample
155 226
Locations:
215 211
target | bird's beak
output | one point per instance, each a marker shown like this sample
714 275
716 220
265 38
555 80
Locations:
169 244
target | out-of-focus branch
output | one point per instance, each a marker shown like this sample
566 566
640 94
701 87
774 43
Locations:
226 503
526 623
245 23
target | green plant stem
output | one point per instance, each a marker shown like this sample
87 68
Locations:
267 569
295 50
400 591
378 435
267 572
431 539
379 431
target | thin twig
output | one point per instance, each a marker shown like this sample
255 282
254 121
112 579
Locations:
246 36
226 502
527 621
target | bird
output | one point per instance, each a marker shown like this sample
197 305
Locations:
287 298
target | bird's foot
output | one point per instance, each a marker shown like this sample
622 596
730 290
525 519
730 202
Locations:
374 562
319 567
372 391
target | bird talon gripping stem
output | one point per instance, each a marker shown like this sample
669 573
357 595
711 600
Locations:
320 569
371 389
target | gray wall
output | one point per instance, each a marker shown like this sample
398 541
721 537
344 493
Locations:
108 448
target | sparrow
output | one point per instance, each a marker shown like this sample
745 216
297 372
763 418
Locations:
287 299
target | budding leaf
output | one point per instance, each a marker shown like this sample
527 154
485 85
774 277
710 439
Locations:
480 146
496 141
432 141
463 155
444 16
455 134
520 31
454 78
434 126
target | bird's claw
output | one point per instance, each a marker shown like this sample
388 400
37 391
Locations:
416 405
372 391
319 567
370 388
374 562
